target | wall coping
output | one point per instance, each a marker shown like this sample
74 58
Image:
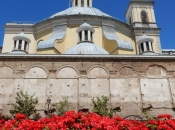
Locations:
39 56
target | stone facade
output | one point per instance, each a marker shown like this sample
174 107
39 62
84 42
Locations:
132 83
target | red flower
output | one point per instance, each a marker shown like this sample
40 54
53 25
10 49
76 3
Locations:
165 116
86 121
20 116
153 122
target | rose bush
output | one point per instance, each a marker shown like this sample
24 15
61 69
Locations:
86 121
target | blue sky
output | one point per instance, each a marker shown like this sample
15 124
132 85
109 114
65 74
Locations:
37 10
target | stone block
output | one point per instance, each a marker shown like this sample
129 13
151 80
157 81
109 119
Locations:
155 90
129 108
156 112
125 90
172 86
6 109
98 87
41 107
162 105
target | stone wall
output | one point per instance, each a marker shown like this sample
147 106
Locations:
132 84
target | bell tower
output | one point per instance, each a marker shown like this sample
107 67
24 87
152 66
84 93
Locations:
140 15
82 3
141 12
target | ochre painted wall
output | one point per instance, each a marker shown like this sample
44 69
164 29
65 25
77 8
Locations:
111 45
48 51
71 39
123 37
156 43
8 44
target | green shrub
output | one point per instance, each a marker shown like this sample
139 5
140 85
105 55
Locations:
147 115
5 117
25 104
101 106
62 106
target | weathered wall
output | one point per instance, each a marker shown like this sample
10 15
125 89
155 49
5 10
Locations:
131 84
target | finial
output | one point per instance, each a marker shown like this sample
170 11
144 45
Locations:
85 20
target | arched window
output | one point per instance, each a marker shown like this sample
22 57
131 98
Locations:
76 2
25 46
87 3
82 3
130 21
142 48
15 44
91 36
147 46
86 35
144 17
20 44
80 36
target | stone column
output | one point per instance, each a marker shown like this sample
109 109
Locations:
85 3
23 43
90 3
137 49
14 44
17 44
83 35
79 3
73 3
144 46
89 35
150 47
140 48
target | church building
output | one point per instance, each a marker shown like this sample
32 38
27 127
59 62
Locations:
82 52
83 29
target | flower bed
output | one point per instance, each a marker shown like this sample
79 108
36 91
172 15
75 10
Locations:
86 121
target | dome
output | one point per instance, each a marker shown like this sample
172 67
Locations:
86 48
81 10
85 26
22 36
144 38
17 52
149 53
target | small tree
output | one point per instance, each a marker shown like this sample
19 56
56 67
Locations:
25 104
62 106
101 106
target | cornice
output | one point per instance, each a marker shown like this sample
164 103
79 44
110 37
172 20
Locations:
121 57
